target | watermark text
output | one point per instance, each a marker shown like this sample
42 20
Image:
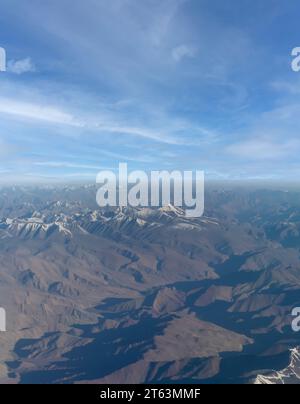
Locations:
2 60
296 60
157 189
296 321
2 320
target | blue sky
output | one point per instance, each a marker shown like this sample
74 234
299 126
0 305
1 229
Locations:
169 84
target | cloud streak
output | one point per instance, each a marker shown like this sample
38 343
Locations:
178 82
21 66
183 51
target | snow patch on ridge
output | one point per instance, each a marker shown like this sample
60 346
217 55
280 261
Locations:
290 375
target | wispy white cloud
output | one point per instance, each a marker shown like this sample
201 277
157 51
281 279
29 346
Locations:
183 51
21 66
36 112
260 149
160 128
173 97
53 115
126 157
62 164
155 135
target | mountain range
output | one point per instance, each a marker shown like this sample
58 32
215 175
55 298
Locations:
146 295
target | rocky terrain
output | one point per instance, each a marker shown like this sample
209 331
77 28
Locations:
145 295
290 375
